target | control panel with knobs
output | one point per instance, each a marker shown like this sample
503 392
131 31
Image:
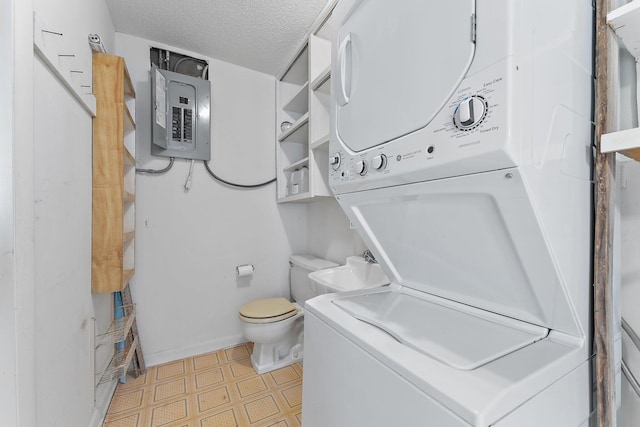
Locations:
470 113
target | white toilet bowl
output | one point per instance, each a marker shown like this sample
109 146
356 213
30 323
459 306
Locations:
275 343
275 325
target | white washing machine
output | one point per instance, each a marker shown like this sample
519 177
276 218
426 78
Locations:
460 149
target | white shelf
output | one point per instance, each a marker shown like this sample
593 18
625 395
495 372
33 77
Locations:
299 103
320 143
625 142
119 363
46 48
322 78
303 95
625 22
118 329
298 132
301 197
296 165
298 72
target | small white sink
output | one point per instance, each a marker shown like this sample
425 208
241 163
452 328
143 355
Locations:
356 274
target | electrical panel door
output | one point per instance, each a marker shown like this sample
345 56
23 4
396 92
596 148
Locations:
181 115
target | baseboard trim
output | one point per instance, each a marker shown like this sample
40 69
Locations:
167 356
104 394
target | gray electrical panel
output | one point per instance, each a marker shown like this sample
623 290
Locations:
181 109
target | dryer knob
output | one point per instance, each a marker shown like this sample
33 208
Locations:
335 160
361 167
379 162
470 113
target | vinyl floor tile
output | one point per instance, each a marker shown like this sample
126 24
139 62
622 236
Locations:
218 389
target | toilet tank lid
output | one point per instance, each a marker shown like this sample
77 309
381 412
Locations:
311 263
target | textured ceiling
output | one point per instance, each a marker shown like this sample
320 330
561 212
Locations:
257 34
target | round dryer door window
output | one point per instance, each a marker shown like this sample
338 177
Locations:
395 65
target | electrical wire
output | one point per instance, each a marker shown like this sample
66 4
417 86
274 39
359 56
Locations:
157 171
233 184
187 184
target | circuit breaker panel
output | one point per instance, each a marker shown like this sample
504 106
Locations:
181 108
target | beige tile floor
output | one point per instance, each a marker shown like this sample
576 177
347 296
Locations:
218 389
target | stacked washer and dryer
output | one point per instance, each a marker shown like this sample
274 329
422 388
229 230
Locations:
460 149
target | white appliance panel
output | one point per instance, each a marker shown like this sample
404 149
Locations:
363 399
473 239
441 149
376 45
340 380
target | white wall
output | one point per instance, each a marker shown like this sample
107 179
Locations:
329 233
188 244
8 362
64 308
46 310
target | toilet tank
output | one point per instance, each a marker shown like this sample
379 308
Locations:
301 265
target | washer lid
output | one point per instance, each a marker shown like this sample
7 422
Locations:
395 64
269 309
459 336
473 239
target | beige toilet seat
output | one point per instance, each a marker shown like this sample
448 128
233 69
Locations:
267 310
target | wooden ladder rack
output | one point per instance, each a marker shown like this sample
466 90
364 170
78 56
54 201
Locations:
139 367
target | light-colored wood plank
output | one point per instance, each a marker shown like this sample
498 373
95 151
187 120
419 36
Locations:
128 85
111 84
126 276
128 197
633 153
129 121
128 236
129 160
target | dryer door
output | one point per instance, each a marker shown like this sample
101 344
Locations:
379 91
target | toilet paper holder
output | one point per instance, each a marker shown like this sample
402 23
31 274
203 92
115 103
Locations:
244 270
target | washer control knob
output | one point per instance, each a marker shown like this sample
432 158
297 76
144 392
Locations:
335 161
361 167
470 113
379 162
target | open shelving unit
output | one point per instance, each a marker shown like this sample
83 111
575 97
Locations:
113 175
625 23
113 207
303 101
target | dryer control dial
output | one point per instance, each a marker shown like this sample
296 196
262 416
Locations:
335 160
379 162
361 167
470 113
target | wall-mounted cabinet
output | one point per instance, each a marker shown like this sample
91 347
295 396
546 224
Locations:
302 123
113 175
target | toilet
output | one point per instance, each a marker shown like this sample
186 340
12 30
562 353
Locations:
275 325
